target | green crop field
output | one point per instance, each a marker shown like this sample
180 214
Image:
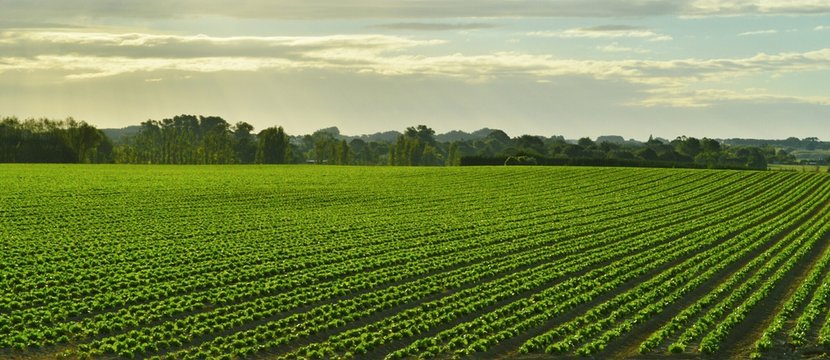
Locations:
193 262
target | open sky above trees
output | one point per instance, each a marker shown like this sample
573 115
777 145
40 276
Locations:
705 68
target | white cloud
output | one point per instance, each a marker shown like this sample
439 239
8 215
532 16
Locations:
752 7
617 48
709 97
822 27
433 26
90 67
759 32
139 45
604 32
380 42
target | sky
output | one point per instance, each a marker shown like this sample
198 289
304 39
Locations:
703 68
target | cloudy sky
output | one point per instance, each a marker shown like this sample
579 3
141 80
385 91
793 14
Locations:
742 68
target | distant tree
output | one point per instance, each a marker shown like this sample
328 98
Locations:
453 154
184 139
11 137
608 147
342 153
647 154
216 146
272 147
244 143
52 141
423 133
105 152
672 156
784 157
333 131
586 143
707 158
709 145
83 139
499 136
652 141
575 151
811 143
756 160
621 154
325 148
416 146
688 146
360 152
432 156
530 144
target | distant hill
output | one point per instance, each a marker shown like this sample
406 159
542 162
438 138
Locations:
457 135
386 136
789 143
809 149
392 136
118 135
616 139
334 131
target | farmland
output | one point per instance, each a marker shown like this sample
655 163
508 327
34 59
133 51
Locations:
190 262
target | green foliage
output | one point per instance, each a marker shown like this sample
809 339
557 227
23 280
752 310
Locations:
187 139
416 147
52 141
273 146
191 139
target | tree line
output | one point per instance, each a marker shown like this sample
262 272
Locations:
192 139
52 141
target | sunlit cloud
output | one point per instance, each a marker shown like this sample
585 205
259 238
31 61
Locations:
759 32
604 32
755 7
431 26
709 97
617 48
98 55
179 45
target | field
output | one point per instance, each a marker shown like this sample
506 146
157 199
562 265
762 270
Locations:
799 168
191 262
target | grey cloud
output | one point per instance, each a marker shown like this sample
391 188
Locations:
10 25
330 9
88 55
418 26
136 45
63 11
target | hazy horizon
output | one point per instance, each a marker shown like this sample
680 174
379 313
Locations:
702 68
642 139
